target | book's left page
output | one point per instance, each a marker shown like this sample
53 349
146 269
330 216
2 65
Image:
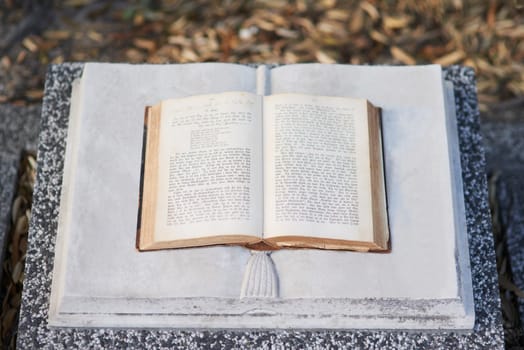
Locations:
202 172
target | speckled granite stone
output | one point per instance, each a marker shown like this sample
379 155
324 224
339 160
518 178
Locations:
33 330
504 143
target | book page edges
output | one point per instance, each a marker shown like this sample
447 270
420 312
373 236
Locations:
251 242
149 183
255 243
325 243
378 187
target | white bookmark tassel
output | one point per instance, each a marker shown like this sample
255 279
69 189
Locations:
260 278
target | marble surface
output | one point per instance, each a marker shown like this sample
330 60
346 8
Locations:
33 329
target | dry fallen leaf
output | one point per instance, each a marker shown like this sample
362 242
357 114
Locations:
402 56
30 45
322 57
395 22
450 58
135 56
16 210
57 34
370 10
35 94
379 37
5 62
17 270
95 36
145 44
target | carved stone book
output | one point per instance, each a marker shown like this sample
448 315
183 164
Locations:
265 172
263 157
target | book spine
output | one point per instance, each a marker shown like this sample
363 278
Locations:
142 165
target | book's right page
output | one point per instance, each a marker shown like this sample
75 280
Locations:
418 184
317 178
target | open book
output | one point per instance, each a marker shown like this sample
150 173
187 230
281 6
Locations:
266 172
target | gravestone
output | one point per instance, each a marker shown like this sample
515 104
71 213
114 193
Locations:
34 331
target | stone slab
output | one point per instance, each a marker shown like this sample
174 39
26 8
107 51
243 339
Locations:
504 143
33 329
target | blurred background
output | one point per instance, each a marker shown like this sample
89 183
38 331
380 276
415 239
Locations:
486 35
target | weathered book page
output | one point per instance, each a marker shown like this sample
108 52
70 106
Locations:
316 176
210 167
